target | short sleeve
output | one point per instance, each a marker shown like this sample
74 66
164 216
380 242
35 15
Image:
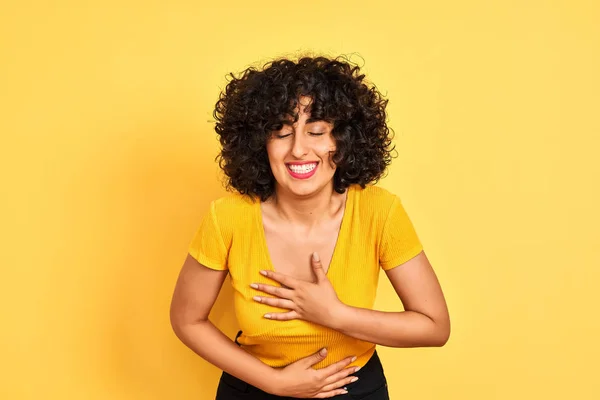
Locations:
207 245
399 240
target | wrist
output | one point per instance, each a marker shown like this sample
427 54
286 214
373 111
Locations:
272 383
340 316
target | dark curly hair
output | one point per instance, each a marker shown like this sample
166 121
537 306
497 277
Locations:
255 103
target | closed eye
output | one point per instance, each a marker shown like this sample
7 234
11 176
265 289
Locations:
311 133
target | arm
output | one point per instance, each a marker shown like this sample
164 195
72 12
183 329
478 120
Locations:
190 308
195 293
425 321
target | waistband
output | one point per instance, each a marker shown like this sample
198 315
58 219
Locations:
371 379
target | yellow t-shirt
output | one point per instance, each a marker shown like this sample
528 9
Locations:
375 232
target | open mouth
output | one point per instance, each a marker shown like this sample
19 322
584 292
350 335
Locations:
302 171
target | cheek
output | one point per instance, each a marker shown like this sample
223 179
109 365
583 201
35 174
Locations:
326 147
326 153
275 153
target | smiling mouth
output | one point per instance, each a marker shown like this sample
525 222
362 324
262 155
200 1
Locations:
302 171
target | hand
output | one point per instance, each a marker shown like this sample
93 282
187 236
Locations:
300 380
311 301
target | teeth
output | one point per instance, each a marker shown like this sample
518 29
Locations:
302 169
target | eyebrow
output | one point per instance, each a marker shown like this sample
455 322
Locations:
308 121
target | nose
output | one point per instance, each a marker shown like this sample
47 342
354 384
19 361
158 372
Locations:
299 144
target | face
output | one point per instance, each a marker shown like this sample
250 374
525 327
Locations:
299 154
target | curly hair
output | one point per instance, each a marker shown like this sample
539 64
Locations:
257 101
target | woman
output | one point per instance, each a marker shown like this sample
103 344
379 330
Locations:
303 238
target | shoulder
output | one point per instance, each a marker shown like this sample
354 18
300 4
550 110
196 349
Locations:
232 211
375 198
372 205
232 204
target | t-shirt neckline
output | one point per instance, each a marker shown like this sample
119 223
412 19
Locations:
349 204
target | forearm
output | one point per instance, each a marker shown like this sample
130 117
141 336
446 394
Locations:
393 329
211 344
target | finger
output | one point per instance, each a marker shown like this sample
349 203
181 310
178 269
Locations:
274 290
331 393
283 316
314 358
318 267
283 279
338 366
275 302
341 383
343 374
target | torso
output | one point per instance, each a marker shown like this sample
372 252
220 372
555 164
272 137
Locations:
255 241
291 246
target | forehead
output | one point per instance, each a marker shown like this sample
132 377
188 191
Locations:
302 110
302 107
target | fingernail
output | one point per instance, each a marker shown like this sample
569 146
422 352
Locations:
357 369
263 273
257 298
354 379
254 285
353 359
323 352
267 316
345 392
316 256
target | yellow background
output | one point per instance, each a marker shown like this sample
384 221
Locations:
107 151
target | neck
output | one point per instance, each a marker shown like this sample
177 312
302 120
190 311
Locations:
308 210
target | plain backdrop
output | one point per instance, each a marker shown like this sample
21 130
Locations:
107 160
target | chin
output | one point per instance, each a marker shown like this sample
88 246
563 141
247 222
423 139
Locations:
303 192
303 189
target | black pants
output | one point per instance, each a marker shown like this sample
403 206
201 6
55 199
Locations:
371 385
